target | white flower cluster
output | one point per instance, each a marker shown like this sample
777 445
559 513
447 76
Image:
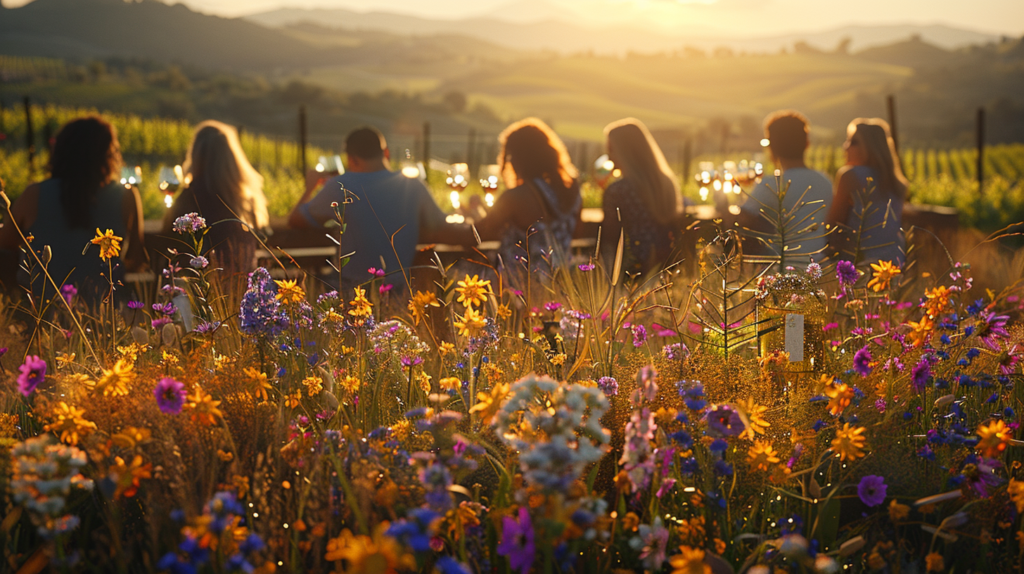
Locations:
44 473
555 427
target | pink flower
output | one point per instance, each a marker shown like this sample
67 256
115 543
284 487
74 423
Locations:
33 372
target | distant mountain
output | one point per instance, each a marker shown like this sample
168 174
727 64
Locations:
527 11
561 33
84 29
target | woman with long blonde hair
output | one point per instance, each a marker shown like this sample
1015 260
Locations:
643 205
224 188
870 191
537 216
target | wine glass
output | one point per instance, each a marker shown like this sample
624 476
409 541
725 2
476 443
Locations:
489 182
169 183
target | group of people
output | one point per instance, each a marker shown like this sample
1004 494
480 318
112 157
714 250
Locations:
387 214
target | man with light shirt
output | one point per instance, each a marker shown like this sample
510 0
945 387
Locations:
786 132
387 214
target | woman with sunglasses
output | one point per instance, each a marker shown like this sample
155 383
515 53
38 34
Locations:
870 191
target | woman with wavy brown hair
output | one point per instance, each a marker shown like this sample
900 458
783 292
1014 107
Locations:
870 191
643 206
65 211
224 188
537 215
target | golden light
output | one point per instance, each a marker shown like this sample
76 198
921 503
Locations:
717 185
489 199
456 203
608 165
765 142
703 193
411 171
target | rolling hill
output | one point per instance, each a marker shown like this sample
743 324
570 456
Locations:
85 29
565 35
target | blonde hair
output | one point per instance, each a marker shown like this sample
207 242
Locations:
530 149
643 164
880 150
216 165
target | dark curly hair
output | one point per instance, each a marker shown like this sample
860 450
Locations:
86 156
530 149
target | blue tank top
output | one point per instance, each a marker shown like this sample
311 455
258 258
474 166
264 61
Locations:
879 212
75 261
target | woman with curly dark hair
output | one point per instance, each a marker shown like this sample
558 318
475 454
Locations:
537 215
64 212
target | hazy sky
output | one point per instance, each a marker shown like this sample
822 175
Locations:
762 17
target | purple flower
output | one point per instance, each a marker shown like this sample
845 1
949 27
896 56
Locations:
639 335
586 266
189 223
992 328
724 420
33 372
871 490
166 309
69 292
862 362
983 476
676 351
136 305
206 327
814 271
170 395
847 273
552 306
653 540
199 262
160 322
517 541
920 373
608 386
384 288
260 312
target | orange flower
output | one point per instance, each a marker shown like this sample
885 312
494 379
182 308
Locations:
840 395
204 408
849 442
884 272
993 438
110 244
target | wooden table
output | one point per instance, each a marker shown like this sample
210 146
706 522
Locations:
311 248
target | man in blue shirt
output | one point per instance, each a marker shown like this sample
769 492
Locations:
387 213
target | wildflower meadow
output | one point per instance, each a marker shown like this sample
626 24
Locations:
719 416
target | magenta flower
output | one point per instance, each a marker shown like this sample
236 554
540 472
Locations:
920 373
846 273
862 362
69 292
608 386
871 490
586 266
552 306
170 396
517 541
992 329
639 335
33 372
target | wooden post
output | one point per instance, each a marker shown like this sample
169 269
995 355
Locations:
981 150
302 139
891 104
687 158
426 150
471 154
30 142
